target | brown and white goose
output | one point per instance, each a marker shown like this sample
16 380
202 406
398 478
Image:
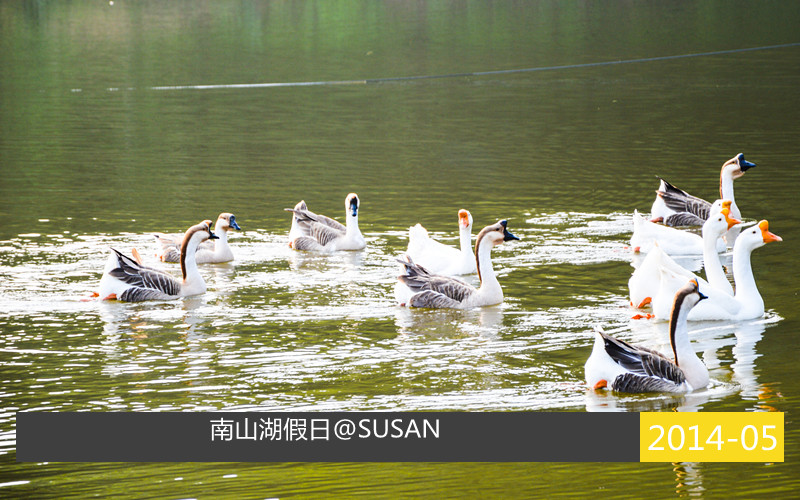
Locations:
128 280
320 233
623 367
419 288
676 207
209 252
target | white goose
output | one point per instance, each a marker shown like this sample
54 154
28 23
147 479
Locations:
622 367
675 207
439 258
645 281
746 303
209 252
419 288
128 280
319 233
671 240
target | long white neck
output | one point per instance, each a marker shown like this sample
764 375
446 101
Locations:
193 282
221 247
746 289
693 368
714 272
465 236
489 283
726 186
352 225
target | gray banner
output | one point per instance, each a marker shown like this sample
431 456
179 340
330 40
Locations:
328 437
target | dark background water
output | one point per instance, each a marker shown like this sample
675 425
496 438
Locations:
94 154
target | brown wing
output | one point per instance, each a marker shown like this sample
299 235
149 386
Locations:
418 279
684 219
642 361
681 201
429 298
307 215
132 273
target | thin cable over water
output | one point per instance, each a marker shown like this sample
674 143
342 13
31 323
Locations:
371 81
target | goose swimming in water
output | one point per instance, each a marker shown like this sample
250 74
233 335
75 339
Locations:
128 280
673 241
319 233
675 207
439 258
419 288
645 282
623 367
209 252
747 302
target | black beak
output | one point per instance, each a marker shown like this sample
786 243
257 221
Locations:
212 236
354 208
233 223
702 296
744 164
506 235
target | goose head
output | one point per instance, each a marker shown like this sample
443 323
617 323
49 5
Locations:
737 166
464 219
351 204
718 223
755 236
687 297
226 221
726 212
202 232
496 234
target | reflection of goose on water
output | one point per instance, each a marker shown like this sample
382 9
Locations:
675 207
208 252
128 280
419 288
439 258
645 282
626 368
319 233
747 302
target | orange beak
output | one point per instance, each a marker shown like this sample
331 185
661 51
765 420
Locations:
768 237
731 221
463 218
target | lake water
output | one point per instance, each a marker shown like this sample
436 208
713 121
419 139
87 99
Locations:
94 153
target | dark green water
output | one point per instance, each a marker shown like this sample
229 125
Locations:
565 155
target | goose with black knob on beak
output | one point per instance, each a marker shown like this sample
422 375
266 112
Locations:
623 367
208 252
675 207
439 258
320 233
128 280
419 288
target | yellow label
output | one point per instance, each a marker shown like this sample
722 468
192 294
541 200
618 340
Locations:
711 437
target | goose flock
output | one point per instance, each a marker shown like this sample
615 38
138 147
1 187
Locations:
429 274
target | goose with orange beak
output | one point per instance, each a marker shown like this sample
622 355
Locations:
419 288
645 282
128 280
622 367
747 302
439 258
